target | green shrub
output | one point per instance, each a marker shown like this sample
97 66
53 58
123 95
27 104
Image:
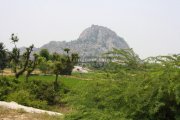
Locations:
34 93
142 95
25 98
7 86
44 90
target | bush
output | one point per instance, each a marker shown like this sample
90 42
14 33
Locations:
44 90
34 93
25 98
151 96
7 86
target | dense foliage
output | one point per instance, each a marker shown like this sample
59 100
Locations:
3 57
57 63
126 88
35 93
150 92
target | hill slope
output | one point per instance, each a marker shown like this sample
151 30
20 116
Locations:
93 41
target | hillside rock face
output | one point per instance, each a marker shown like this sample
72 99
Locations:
93 41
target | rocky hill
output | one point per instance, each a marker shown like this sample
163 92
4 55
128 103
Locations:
93 41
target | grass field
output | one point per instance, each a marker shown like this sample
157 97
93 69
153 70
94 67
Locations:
77 84
88 93
132 95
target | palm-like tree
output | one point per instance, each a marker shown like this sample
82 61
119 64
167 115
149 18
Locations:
67 50
14 39
74 57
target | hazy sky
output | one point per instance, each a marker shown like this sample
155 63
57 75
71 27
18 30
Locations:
150 27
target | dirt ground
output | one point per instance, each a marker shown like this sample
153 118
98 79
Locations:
8 72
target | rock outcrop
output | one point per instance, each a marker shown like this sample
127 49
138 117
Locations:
93 41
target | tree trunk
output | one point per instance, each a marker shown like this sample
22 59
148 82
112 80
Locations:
56 79
27 76
56 83
20 72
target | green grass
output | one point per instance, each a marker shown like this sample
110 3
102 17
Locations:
97 75
68 81
85 90
75 81
134 95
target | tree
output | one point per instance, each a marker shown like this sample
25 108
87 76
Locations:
63 65
126 57
19 63
14 39
26 57
67 50
45 66
44 53
55 56
68 62
42 64
74 58
58 66
3 57
31 66
68 65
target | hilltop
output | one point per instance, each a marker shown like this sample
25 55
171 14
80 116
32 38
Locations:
93 41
